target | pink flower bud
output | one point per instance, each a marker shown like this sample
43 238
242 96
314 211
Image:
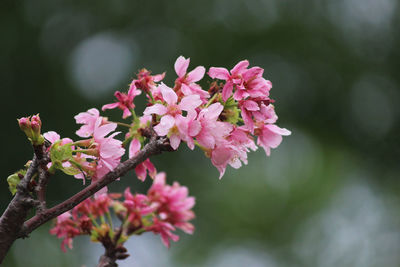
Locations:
36 124
24 123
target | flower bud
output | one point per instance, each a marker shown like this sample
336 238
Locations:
36 124
32 127
25 126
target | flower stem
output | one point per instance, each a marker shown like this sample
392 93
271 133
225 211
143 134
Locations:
211 100
122 124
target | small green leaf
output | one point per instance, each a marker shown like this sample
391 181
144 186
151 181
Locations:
13 180
70 170
60 152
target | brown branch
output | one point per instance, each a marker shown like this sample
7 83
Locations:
155 146
113 250
43 178
16 212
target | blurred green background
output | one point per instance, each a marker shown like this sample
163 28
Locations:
328 196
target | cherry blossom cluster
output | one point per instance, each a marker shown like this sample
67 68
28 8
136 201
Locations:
226 117
164 209
223 121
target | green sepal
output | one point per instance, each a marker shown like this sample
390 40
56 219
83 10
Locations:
122 239
230 103
13 180
94 236
232 114
60 153
70 170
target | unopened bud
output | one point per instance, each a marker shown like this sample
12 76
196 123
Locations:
32 127
36 124
25 125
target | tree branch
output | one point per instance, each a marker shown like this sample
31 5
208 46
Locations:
113 250
16 212
155 146
42 181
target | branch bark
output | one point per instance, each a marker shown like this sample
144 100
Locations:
113 250
16 212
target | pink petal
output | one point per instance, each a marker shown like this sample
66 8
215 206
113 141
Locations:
174 140
240 67
271 139
248 121
196 75
110 106
155 109
104 129
158 77
253 72
221 156
276 129
126 113
251 105
133 92
140 171
51 136
86 117
134 147
205 139
160 178
227 91
166 123
213 111
150 168
181 65
190 102
219 73
168 94
194 128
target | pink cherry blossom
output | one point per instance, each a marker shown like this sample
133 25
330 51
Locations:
253 85
138 204
186 82
232 78
53 137
171 114
228 153
188 128
165 230
212 131
125 101
270 136
145 81
173 206
146 166
110 150
66 229
88 119
258 110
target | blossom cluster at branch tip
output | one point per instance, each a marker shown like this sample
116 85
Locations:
228 119
224 120
162 210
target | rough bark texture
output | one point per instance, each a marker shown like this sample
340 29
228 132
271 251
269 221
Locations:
106 261
16 212
113 251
